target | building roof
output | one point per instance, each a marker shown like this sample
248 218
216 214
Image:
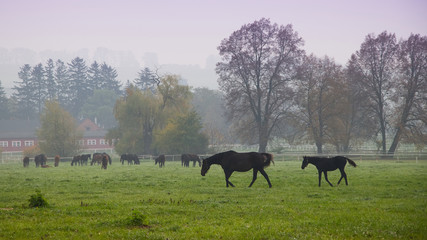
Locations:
95 134
87 125
27 129
10 129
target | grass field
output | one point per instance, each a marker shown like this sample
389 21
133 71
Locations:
384 200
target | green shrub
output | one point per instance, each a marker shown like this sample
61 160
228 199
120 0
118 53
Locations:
37 200
137 219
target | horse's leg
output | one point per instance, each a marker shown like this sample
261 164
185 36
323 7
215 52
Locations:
326 178
265 176
254 177
343 175
227 176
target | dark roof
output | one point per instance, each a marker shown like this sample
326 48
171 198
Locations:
27 129
18 128
98 133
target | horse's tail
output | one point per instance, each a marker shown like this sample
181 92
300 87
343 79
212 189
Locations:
352 163
268 159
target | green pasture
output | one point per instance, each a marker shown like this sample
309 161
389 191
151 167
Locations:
384 200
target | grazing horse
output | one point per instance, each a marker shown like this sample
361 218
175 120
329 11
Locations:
57 158
26 161
96 158
186 158
124 157
131 158
324 164
76 160
108 157
84 158
105 160
160 160
40 160
242 162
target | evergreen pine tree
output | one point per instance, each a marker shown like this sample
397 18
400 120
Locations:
94 76
4 109
109 79
147 80
38 84
79 87
51 84
61 78
24 95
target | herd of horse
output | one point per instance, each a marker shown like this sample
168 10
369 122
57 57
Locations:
230 162
102 159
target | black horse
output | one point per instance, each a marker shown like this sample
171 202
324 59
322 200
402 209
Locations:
160 160
105 159
40 160
26 161
324 164
131 158
76 160
84 159
242 162
186 158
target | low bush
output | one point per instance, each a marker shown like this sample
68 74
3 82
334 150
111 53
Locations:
37 200
137 219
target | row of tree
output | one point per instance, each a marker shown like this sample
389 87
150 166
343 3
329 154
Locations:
272 88
151 106
69 83
148 122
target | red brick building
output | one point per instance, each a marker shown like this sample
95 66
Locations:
16 135
93 136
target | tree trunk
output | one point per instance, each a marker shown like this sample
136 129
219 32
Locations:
383 128
263 138
395 141
319 146
148 139
403 122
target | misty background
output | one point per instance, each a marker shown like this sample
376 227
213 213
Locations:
126 63
181 37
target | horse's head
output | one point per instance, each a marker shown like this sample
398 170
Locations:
205 167
304 162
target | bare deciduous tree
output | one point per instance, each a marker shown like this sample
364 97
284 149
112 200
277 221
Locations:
375 62
411 93
258 61
317 96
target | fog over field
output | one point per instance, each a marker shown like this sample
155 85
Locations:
181 37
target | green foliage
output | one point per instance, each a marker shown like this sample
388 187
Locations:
58 133
37 200
100 106
139 114
137 219
182 135
4 104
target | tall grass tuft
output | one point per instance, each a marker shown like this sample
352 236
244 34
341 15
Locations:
37 200
137 219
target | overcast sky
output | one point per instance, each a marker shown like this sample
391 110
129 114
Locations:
187 32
